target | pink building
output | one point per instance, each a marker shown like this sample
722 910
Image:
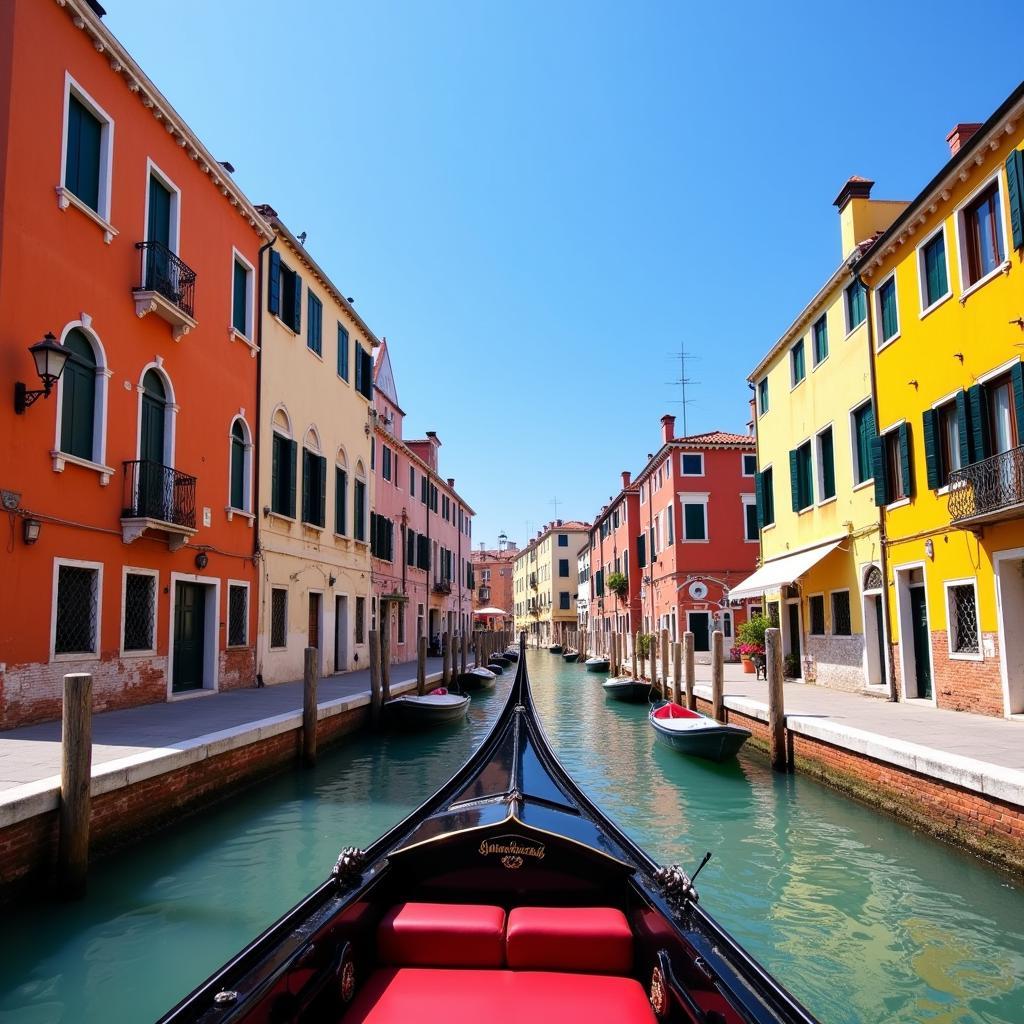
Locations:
613 550
420 531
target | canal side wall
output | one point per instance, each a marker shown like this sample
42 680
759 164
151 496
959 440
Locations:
957 799
139 794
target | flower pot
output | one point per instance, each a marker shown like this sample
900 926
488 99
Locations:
748 665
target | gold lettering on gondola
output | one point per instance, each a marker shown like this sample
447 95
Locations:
512 850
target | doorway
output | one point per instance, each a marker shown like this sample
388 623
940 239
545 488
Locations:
313 632
791 643
1009 573
699 624
341 634
921 640
155 484
189 637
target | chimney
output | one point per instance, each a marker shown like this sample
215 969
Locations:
451 482
668 428
625 478
961 134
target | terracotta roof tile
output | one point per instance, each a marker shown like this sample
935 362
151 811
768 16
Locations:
715 437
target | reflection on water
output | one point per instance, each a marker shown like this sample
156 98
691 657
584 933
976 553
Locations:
862 918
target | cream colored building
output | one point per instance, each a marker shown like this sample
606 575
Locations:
314 478
545 581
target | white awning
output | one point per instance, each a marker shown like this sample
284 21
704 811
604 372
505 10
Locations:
780 571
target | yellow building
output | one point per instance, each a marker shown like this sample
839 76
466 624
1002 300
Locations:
315 479
545 581
820 574
946 304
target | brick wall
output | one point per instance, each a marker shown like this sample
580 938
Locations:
967 685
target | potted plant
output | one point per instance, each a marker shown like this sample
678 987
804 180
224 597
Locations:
750 635
618 584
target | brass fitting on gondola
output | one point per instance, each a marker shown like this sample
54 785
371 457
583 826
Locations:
349 868
676 885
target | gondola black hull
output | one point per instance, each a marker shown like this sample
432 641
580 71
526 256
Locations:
509 839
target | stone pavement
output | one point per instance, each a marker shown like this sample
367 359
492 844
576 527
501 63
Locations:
32 754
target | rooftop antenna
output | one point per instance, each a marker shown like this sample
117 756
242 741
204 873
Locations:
682 381
556 503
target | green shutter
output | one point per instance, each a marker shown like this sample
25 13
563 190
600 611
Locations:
1017 382
878 470
237 473
82 167
930 428
641 551
906 462
274 284
292 449
275 472
340 487
78 399
794 479
1015 189
342 353
306 460
828 467
963 426
759 498
980 442
296 310
238 307
322 505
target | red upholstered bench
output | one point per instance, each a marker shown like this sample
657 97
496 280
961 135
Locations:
442 935
597 940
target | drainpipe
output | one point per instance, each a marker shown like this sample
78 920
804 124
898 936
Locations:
890 673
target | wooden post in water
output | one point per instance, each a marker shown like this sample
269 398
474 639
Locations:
376 686
717 677
452 657
776 710
75 782
310 679
421 664
446 668
464 645
385 646
633 658
677 673
639 654
664 663
689 671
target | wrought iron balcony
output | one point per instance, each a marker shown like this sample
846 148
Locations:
442 586
167 287
158 497
989 490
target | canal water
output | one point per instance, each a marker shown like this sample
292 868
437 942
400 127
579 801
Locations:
861 917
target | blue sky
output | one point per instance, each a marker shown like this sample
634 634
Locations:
538 203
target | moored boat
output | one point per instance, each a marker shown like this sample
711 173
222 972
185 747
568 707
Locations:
507 896
495 667
478 678
570 655
555 648
627 688
690 732
511 654
597 664
501 659
436 708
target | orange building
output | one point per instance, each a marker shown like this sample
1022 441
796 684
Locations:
130 549
492 572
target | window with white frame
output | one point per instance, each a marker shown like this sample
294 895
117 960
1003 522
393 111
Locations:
76 608
241 295
749 464
751 533
82 398
670 532
238 614
278 617
692 463
962 611
932 270
980 232
695 516
138 611
239 497
88 151
816 609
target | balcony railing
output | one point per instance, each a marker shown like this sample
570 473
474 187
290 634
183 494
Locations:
442 586
988 490
165 274
153 491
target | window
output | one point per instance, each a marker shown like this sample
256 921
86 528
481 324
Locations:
340 500
816 607
563 567
670 525
412 481
278 617
241 297
563 540
360 620
382 537
359 510
78 398
797 369
764 483
139 612
238 614
1000 416
841 625
692 463
888 315
962 605
981 225
314 325
282 477
826 465
749 464
931 268
800 477
750 519
385 467
364 372
695 516
563 600
762 395
862 428
342 353
856 306
820 339
88 145
942 442
240 449
890 459
314 488
284 293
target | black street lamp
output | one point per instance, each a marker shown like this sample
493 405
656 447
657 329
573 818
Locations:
50 358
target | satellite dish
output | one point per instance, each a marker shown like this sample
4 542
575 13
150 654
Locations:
698 590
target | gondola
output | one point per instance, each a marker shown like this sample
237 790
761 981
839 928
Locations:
478 678
597 664
570 655
690 732
511 653
494 666
502 659
627 688
555 648
506 897
439 707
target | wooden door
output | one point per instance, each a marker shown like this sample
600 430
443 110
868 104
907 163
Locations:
922 641
314 621
189 636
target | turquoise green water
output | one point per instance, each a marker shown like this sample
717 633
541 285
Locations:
862 918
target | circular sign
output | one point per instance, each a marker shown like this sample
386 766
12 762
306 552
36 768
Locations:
698 590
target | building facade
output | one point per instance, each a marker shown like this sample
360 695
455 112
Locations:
315 483
821 556
492 570
945 308
612 553
130 482
423 530
546 580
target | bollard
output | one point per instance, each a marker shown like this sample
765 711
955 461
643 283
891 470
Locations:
717 677
376 688
689 670
446 668
75 782
310 678
776 710
664 663
677 673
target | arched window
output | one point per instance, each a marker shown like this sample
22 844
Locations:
78 398
873 578
341 493
314 480
283 466
359 511
241 454
153 435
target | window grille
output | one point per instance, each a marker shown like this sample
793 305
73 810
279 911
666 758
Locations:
963 619
238 615
873 578
279 618
76 610
841 613
817 606
139 612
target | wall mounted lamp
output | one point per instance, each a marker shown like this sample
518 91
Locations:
50 358
929 548
30 530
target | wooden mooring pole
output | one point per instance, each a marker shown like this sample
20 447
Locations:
465 651
75 782
677 673
717 676
664 664
689 670
633 659
310 679
376 687
421 665
778 750
446 666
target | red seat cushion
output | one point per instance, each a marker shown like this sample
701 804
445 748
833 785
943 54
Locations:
413 995
594 939
442 935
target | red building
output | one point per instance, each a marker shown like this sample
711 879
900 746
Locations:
131 551
613 550
492 571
